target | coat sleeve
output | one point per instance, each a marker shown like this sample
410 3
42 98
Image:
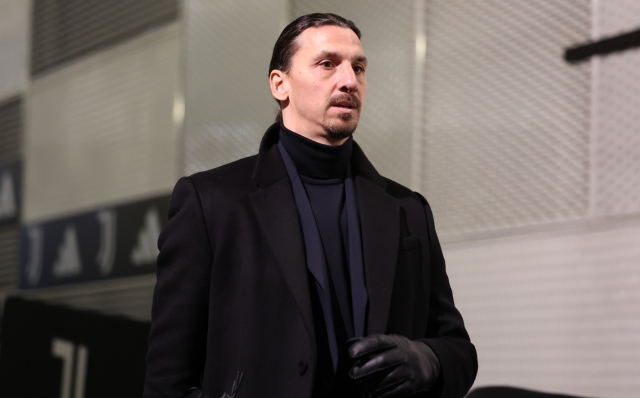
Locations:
446 334
177 341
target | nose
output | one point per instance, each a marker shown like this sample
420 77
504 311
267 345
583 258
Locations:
348 82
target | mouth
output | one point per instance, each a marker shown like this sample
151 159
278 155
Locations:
345 106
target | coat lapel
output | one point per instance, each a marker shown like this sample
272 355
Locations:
278 217
380 226
277 214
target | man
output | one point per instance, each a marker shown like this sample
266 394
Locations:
301 272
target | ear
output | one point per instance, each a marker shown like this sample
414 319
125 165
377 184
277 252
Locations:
279 85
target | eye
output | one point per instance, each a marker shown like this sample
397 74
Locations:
358 69
326 64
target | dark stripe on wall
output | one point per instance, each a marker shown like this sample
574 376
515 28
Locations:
10 130
9 235
63 30
606 46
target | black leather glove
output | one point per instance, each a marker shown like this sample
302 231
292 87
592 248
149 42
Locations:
392 366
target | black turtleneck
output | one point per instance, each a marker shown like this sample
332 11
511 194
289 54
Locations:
322 169
316 160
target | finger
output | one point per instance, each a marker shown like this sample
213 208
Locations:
378 363
369 384
395 376
371 344
400 389
384 379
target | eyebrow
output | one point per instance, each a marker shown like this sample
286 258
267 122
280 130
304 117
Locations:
331 54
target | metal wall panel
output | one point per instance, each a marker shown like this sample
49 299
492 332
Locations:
11 128
102 129
612 17
228 102
506 119
554 311
388 38
14 39
131 297
9 236
66 29
616 120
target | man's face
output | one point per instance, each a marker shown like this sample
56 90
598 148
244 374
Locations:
326 85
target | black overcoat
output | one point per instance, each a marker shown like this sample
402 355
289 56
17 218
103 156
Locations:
232 294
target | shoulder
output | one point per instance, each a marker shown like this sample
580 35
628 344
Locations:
406 196
233 178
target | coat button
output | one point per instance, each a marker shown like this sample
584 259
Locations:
302 367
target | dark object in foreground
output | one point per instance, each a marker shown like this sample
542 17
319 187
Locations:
512 392
606 46
51 351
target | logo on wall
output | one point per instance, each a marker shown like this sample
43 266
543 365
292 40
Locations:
107 252
146 250
10 178
33 266
68 261
64 350
106 243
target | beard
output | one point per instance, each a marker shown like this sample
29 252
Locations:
348 121
338 130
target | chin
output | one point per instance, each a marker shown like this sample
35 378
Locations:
341 128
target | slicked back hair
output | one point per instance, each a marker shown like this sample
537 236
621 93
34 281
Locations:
286 45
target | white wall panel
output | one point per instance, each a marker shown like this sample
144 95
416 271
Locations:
554 311
612 17
506 118
616 119
101 130
14 44
228 102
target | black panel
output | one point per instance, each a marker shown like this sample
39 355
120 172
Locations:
114 350
10 130
107 243
66 29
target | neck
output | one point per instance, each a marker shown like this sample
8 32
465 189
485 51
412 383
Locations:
315 159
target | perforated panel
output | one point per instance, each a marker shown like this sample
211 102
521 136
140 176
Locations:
613 17
11 129
66 29
101 130
616 116
228 102
130 297
556 311
506 119
9 235
388 39
14 31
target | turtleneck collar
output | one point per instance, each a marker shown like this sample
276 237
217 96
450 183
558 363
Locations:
314 159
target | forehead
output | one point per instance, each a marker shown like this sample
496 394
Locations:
336 39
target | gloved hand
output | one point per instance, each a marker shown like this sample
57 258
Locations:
392 366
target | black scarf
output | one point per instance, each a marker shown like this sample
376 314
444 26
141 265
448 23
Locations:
316 262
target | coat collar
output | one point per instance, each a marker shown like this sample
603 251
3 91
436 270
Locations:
277 213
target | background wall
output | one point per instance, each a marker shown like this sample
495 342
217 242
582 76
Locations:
530 163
